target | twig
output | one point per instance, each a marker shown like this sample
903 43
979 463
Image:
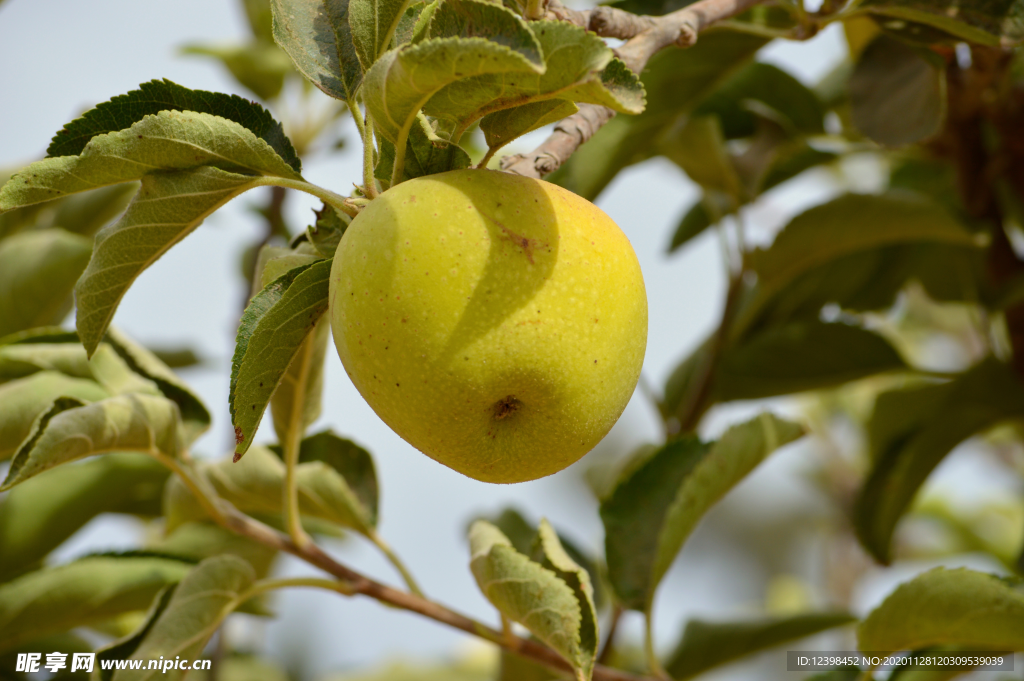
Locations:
360 584
655 33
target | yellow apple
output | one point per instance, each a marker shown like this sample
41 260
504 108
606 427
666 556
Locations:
497 323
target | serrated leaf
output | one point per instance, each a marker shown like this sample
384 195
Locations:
397 86
525 539
578 67
423 156
897 95
933 421
151 98
84 592
556 559
261 67
947 607
22 400
72 430
270 335
296 402
706 645
501 127
168 207
373 23
254 485
325 234
38 271
979 21
527 593
38 515
659 500
167 141
318 38
206 595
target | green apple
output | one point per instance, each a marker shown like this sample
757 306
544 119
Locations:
497 323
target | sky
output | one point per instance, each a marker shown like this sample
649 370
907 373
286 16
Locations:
60 57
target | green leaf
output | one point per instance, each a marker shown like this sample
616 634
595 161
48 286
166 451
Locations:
675 81
318 38
260 67
21 360
373 24
124 111
850 224
196 541
167 209
579 67
699 149
125 646
194 415
534 596
207 594
402 81
271 334
296 402
254 485
525 539
352 462
40 514
326 233
979 21
727 462
765 85
897 95
38 271
699 217
634 514
501 127
72 430
947 607
87 591
87 212
22 400
706 645
423 156
801 356
911 433
660 498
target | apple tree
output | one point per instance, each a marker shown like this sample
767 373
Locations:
843 307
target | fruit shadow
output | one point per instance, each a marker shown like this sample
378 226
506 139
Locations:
522 227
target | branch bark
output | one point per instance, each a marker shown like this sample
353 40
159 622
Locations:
645 36
360 584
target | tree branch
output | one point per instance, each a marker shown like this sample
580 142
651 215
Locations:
360 584
646 36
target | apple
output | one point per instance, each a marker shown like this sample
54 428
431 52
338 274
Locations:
495 322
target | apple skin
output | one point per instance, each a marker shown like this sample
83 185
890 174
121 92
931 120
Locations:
495 322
